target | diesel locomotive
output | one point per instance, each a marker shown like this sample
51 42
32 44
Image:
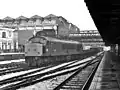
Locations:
42 50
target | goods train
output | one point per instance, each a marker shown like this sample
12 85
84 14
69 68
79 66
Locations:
43 50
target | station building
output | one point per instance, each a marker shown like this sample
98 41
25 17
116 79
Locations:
39 23
7 41
23 28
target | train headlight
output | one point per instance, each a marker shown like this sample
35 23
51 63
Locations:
46 49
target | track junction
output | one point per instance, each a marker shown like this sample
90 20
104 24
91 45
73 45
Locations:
16 77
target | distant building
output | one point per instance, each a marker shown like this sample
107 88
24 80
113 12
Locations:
22 28
58 23
88 38
7 39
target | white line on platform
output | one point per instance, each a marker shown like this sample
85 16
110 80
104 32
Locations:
10 61
9 53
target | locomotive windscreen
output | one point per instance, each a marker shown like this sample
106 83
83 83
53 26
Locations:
37 40
46 32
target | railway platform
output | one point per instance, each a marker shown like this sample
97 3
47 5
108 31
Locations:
10 53
11 56
107 76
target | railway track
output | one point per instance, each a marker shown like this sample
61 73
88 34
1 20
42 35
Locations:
81 79
18 69
13 70
15 67
8 68
41 75
32 74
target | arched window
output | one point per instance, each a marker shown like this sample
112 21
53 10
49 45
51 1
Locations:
3 34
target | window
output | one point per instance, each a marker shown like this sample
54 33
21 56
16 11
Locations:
3 34
4 45
10 33
9 44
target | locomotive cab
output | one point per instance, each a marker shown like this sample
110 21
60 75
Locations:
35 46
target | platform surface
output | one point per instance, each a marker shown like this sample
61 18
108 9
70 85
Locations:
11 53
107 76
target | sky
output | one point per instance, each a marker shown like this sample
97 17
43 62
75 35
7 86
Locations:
75 11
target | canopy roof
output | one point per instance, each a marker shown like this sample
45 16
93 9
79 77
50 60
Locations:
8 18
35 17
21 17
50 15
106 16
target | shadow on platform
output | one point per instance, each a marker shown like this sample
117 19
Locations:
107 76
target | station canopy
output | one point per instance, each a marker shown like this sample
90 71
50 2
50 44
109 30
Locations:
106 16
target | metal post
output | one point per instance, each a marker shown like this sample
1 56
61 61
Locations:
113 48
118 50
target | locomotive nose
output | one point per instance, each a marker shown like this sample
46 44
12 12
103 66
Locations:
33 49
